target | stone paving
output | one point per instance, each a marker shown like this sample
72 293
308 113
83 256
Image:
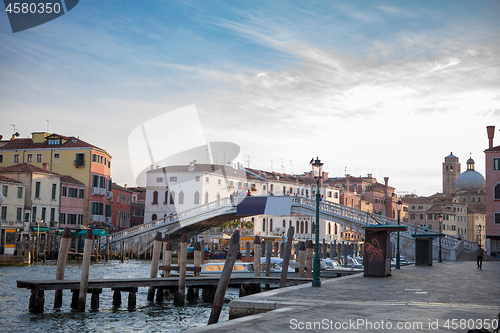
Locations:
413 299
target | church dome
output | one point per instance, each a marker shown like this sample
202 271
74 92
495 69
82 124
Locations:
470 179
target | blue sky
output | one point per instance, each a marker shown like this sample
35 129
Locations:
382 87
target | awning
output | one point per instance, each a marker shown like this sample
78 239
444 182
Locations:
42 229
95 232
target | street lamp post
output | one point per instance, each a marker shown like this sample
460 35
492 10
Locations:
479 240
317 167
440 220
399 205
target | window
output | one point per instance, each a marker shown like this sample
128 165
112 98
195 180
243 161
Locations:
37 190
197 178
64 191
302 227
56 157
497 218
16 158
73 192
80 160
263 224
219 182
4 213
329 194
71 218
154 217
81 193
307 227
5 190
19 191
44 211
29 158
52 214
496 192
159 179
197 198
107 211
207 180
62 218
165 201
172 198
54 190
181 198
173 179
96 208
496 163
80 219
39 158
206 197
33 210
1 158
54 142
155 198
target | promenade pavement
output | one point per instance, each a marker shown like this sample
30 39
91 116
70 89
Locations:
445 297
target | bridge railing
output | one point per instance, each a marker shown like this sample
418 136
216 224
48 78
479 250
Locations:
174 218
364 218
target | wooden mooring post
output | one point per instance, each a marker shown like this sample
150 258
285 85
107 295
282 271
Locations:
286 259
302 259
180 295
309 258
192 291
61 264
224 278
155 264
256 255
87 249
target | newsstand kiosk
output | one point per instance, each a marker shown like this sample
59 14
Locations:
423 248
377 256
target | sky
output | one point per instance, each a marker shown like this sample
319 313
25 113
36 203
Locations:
382 87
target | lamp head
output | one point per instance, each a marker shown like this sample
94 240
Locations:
399 205
317 167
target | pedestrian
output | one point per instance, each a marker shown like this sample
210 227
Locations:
249 194
479 253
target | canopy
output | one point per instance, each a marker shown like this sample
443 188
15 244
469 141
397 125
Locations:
95 232
40 229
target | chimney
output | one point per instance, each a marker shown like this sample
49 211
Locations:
491 134
125 186
45 166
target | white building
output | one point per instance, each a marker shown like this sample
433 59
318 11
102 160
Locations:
174 189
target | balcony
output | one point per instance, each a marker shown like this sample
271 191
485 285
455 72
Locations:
108 220
97 218
98 191
110 194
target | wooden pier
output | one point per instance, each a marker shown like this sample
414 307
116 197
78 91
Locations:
95 287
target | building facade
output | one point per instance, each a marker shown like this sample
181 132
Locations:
70 156
42 196
492 156
120 216
72 202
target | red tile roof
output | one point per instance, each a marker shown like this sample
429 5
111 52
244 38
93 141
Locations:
9 180
71 180
493 149
27 143
25 167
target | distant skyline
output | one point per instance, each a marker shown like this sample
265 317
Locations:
382 87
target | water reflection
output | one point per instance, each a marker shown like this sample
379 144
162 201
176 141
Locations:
145 317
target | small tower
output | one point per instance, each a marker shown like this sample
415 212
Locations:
451 171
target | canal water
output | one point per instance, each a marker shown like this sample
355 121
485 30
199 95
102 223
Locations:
145 317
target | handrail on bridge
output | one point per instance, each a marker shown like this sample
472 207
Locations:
348 213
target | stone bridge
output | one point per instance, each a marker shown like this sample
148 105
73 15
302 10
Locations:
199 219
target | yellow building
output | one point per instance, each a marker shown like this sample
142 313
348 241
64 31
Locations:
70 156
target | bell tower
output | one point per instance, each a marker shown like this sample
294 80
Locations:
451 171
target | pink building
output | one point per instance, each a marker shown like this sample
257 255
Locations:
492 155
72 202
121 207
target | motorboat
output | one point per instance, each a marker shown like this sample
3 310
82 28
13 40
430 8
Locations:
244 269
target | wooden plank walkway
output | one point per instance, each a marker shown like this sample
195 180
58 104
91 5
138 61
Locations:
248 285
151 282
